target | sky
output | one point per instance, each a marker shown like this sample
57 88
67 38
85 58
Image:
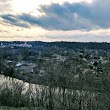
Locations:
55 20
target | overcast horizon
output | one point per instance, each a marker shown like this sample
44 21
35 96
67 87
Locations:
55 20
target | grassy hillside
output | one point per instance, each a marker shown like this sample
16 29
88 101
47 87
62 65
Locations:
10 108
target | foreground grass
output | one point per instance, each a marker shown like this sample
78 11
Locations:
10 108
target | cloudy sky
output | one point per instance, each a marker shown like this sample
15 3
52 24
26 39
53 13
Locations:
55 20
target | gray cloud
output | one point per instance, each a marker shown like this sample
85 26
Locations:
76 16
14 21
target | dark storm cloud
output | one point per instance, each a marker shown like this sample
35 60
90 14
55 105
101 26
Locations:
75 16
